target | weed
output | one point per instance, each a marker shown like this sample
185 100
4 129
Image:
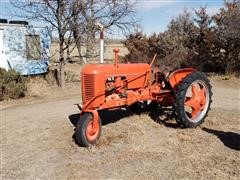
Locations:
12 85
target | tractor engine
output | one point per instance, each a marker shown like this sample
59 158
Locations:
110 83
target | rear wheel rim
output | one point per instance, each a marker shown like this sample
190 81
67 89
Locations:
90 134
196 101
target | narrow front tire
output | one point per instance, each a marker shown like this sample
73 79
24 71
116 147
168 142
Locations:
84 134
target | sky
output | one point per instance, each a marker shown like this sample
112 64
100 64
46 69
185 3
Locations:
154 15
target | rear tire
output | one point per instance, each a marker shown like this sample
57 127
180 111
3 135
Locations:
191 110
83 135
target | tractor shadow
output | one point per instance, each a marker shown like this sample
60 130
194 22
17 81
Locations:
73 118
163 116
229 139
113 116
107 116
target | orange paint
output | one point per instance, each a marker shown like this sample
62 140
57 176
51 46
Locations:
94 126
106 86
197 102
176 76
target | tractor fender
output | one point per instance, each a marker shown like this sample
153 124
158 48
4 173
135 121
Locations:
176 76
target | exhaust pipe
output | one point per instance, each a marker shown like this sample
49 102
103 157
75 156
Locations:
101 56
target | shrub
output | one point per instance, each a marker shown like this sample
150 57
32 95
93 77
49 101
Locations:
12 85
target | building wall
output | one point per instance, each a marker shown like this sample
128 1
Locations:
14 42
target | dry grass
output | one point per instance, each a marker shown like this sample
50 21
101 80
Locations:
37 142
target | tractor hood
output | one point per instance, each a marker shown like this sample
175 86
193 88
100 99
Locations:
119 70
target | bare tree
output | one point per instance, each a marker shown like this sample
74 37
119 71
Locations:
56 13
113 14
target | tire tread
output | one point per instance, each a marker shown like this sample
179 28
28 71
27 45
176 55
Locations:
181 118
80 136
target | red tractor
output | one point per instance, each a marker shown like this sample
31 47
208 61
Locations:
111 86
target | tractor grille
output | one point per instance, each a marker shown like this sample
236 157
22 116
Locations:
88 85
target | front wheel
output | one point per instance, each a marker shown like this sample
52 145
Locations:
84 134
192 100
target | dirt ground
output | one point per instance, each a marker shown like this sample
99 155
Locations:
36 141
